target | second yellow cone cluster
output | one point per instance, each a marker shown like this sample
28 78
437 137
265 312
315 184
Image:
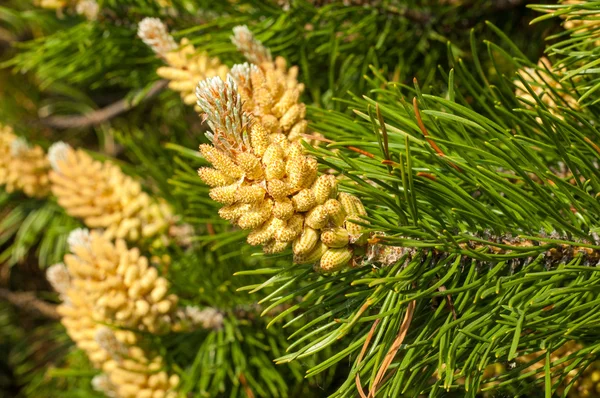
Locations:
268 185
104 197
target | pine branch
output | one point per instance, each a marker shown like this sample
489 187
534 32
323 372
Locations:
30 303
104 114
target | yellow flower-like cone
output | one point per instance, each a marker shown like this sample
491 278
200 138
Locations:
270 90
118 284
186 67
110 294
22 167
268 185
104 284
104 197
545 87
132 371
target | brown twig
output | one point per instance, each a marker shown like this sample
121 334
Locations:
435 147
101 115
389 357
426 175
596 148
362 354
27 301
210 229
246 387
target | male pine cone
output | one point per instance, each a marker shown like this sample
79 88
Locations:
104 197
270 91
117 283
186 67
22 167
108 284
268 185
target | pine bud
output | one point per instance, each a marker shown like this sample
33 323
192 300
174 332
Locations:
278 189
175 75
335 211
234 212
293 115
186 67
249 194
262 235
306 242
256 216
155 34
271 91
295 150
270 123
273 153
287 100
102 384
335 237
248 45
546 88
283 209
259 139
263 98
192 318
348 203
304 200
298 130
59 278
354 209
335 259
226 195
106 275
214 178
251 165
274 247
221 161
273 167
88 8
291 231
310 172
296 169
317 218
104 197
275 170
322 189
277 224
107 340
312 256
